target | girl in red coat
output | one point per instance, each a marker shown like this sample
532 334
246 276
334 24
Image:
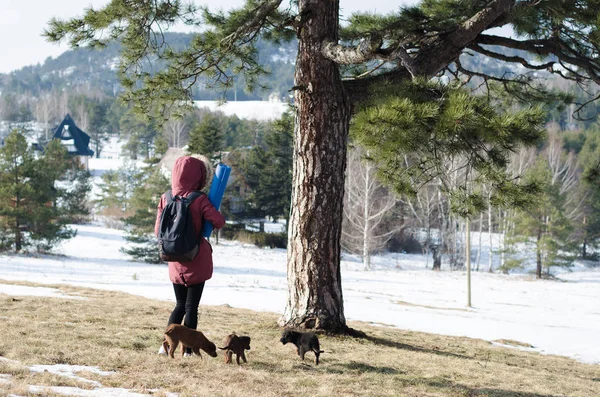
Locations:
190 174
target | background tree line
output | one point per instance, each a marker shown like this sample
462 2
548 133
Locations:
375 219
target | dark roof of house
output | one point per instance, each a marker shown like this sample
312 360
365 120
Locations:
68 130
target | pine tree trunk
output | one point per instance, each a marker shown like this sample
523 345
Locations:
437 258
584 246
437 261
18 237
503 241
320 138
480 241
538 270
18 240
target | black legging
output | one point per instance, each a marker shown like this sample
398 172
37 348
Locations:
188 299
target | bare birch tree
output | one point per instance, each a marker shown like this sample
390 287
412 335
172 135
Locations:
44 113
176 130
565 174
366 203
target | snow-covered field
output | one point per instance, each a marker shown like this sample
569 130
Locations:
556 317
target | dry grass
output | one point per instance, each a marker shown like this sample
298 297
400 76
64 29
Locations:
122 333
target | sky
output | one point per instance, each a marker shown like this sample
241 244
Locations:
22 23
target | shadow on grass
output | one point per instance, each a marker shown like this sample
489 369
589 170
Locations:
404 346
504 393
459 389
265 366
362 368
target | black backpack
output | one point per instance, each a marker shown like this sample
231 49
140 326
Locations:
177 239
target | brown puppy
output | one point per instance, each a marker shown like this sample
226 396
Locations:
176 333
236 344
304 341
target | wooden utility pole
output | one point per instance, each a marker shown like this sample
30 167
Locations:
468 257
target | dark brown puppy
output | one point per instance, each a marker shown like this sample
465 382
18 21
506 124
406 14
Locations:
304 341
176 333
236 344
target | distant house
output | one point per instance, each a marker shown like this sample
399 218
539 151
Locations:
74 139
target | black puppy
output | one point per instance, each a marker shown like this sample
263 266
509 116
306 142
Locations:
304 341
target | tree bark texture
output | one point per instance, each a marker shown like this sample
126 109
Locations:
321 132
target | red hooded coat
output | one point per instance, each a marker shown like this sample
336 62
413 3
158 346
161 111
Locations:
189 174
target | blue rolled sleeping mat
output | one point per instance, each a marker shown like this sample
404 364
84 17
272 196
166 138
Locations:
215 194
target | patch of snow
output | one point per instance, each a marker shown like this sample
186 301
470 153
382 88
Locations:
69 371
111 149
21 290
253 110
76 391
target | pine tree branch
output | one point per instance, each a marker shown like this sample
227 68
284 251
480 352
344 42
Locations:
254 25
367 50
360 88
513 59
536 46
436 52
581 106
547 47
442 50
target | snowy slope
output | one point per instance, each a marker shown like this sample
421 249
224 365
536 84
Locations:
555 317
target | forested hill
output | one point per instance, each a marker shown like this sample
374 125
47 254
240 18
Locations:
97 70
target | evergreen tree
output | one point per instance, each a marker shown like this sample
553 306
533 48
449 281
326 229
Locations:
143 203
117 188
252 167
277 180
111 192
35 194
335 70
17 194
545 222
208 138
268 171
160 146
75 201
238 132
48 224
140 133
590 158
